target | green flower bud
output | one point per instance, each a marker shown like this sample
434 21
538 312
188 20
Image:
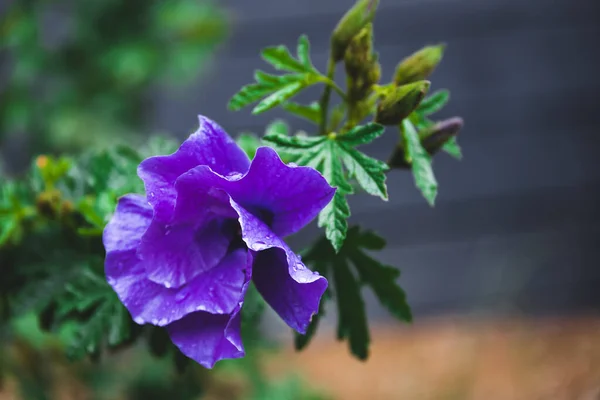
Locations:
350 25
362 68
400 101
436 136
359 54
419 65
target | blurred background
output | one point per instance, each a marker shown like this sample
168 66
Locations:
502 274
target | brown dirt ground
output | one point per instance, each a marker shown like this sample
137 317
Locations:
458 358
449 359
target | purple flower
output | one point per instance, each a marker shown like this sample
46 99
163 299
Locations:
183 256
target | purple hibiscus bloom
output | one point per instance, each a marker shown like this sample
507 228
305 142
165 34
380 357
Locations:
182 257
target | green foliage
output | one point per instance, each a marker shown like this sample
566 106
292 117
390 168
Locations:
275 90
434 103
311 112
349 270
431 105
339 162
89 85
249 143
52 254
421 163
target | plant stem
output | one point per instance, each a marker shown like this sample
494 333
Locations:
324 102
335 87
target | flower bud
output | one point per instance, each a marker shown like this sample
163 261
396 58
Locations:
400 101
350 25
419 65
362 68
359 54
436 136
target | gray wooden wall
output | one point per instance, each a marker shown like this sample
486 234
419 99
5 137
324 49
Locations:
517 223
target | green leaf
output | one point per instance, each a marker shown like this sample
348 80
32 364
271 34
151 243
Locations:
352 318
303 52
382 279
8 227
434 103
249 143
311 112
278 127
362 134
279 97
294 144
266 84
333 217
369 172
282 60
338 268
451 147
421 163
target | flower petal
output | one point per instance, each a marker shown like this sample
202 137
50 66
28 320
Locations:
291 289
175 254
207 338
209 145
128 224
218 291
285 197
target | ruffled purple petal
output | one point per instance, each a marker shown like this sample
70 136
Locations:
291 289
173 255
128 224
207 338
209 145
218 291
285 197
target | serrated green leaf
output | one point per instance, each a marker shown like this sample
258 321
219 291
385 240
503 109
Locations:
249 143
382 279
266 84
269 79
278 127
293 144
333 217
303 52
278 97
370 240
311 112
369 172
352 318
434 103
281 59
451 147
421 163
362 134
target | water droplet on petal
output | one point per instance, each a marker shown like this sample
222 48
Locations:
234 176
167 285
182 295
293 165
162 322
259 245
139 321
155 321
